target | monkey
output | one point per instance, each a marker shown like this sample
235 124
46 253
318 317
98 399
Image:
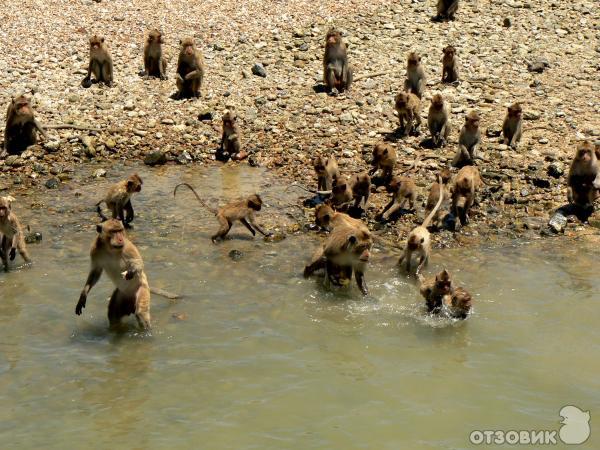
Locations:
341 193
242 210
415 75
337 74
155 64
190 70
437 121
12 238
449 65
408 107
361 189
419 240
101 64
583 180
434 290
384 159
118 199
346 251
231 139
434 194
459 303
466 184
512 128
446 9
403 189
21 126
468 142
327 172
113 252
327 218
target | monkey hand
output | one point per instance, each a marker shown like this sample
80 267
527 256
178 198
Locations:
13 253
80 303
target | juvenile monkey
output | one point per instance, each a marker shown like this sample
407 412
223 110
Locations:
155 64
327 218
408 107
434 289
101 64
512 128
231 139
583 181
21 126
341 193
468 141
415 75
337 74
113 252
190 70
11 233
446 9
419 240
437 121
466 184
118 199
403 190
384 159
449 65
434 195
242 210
327 172
459 303
361 189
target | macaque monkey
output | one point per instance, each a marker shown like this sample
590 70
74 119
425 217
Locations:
346 250
415 75
341 193
101 63
512 128
583 181
231 139
337 74
434 194
459 303
408 107
361 189
449 65
434 289
11 234
468 141
21 126
384 159
327 172
190 70
446 9
327 218
113 252
155 64
419 240
403 190
437 121
118 199
466 184
242 210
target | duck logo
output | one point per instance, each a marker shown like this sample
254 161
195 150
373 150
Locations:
576 427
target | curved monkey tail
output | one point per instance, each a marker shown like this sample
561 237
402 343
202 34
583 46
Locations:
202 202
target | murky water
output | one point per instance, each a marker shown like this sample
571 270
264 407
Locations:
265 359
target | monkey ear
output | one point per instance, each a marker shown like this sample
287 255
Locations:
99 228
180 42
129 185
102 39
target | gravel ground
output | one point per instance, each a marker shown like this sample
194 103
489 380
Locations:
284 121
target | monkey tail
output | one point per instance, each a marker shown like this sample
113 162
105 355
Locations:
437 205
202 202
103 218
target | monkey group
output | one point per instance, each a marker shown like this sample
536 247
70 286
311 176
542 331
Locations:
346 251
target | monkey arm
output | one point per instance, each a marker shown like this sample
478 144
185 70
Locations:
360 281
193 75
129 214
318 262
255 225
92 279
516 135
388 206
39 127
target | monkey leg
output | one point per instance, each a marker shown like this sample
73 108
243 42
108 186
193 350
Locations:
361 282
23 250
408 257
196 84
4 244
318 262
163 68
225 226
331 76
247 225
180 86
107 73
422 262
142 307
115 309
129 214
97 71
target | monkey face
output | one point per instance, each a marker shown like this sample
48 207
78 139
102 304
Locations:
443 283
96 42
21 105
515 110
319 164
401 100
134 183
113 233
413 59
394 185
584 153
323 215
472 120
255 202
449 51
5 204
339 188
437 101
188 47
333 37
155 36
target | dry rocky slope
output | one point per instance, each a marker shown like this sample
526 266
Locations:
43 49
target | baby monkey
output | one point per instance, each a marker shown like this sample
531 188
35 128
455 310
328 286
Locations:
11 233
327 172
435 289
403 190
118 200
242 210
458 303
230 140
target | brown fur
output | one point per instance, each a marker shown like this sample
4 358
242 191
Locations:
190 70
512 127
434 289
231 139
155 64
361 189
438 121
11 233
449 65
21 126
434 195
101 63
118 199
415 75
408 107
583 181
403 190
384 159
468 141
327 172
459 303
341 193
337 74
446 9
466 185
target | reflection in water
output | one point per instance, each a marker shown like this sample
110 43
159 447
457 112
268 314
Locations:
262 358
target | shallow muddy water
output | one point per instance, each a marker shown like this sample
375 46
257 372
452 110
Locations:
267 360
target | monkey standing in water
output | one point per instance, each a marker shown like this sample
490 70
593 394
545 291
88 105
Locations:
337 74
21 126
101 64
231 140
113 252
434 290
155 64
190 70
242 210
118 199
11 233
